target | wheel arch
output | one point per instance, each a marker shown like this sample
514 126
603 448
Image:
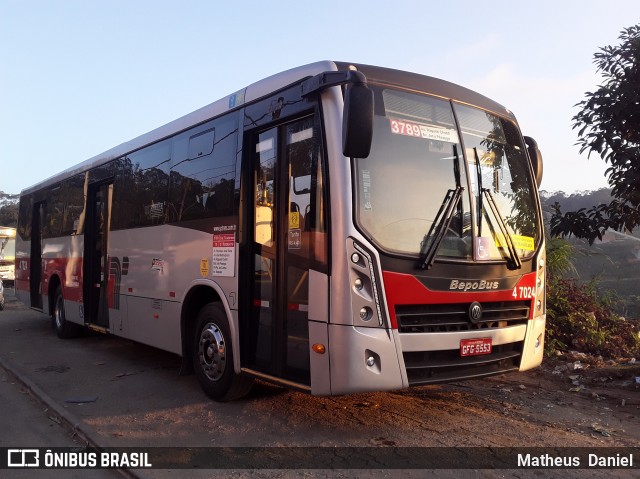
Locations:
200 293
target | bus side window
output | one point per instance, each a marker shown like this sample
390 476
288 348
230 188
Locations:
265 193
202 173
307 228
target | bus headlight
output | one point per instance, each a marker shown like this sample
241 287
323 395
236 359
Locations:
365 313
365 296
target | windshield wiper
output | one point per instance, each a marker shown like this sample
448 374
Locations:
439 227
480 188
513 261
442 221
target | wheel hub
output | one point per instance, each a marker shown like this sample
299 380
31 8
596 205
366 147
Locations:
212 351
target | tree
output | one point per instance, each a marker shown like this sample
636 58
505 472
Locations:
609 125
9 215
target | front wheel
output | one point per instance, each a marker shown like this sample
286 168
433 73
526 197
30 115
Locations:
64 329
212 355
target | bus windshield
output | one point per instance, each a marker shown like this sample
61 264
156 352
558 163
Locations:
425 152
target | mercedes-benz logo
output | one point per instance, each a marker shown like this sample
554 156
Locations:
475 312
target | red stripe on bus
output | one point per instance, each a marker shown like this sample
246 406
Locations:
406 289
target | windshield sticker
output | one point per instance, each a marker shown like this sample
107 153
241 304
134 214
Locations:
419 130
366 189
483 247
295 239
525 243
294 220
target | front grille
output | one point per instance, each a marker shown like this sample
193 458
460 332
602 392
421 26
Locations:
446 318
428 367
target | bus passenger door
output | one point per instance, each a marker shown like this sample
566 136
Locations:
96 260
35 268
288 242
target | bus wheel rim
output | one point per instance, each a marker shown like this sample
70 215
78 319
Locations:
59 312
212 352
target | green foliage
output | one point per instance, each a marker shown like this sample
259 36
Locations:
609 125
579 318
559 255
9 215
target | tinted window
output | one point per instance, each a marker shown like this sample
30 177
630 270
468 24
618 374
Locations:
202 174
24 217
72 195
141 187
53 213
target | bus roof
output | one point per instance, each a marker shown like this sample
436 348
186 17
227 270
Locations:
227 103
265 87
427 84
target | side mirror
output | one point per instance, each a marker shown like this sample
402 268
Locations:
536 158
357 121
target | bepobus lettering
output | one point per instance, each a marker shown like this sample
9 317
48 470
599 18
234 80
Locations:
482 285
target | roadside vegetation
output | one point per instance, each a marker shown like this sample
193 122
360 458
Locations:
579 316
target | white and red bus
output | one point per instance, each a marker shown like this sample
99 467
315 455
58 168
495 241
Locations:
334 228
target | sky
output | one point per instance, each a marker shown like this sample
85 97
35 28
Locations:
79 77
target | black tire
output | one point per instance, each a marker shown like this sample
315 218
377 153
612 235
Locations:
64 329
212 355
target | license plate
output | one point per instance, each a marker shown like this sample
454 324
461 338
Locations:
475 347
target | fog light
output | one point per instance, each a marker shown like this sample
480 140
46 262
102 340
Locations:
371 361
358 284
355 257
365 313
538 341
539 305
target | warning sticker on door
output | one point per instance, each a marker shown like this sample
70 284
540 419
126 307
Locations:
294 220
295 239
224 254
204 267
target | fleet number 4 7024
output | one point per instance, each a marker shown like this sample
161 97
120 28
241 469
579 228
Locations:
523 292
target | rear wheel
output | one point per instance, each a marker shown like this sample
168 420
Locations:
64 329
212 354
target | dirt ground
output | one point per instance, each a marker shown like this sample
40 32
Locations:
134 397
597 400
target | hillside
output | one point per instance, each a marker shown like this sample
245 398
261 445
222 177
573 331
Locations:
8 199
8 209
613 262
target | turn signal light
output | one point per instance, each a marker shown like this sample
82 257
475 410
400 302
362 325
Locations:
319 348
